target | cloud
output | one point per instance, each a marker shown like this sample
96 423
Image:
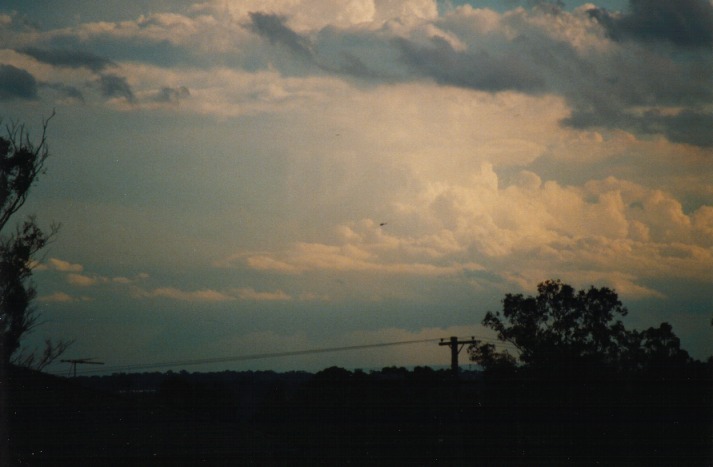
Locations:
580 55
311 257
57 297
684 23
688 126
608 230
82 280
248 293
480 70
274 29
68 58
16 83
172 95
311 15
62 297
122 280
115 86
67 91
172 293
64 266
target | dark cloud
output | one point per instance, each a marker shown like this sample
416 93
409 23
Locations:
632 86
685 127
478 70
352 65
688 126
685 23
273 28
16 83
65 90
172 95
68 58
115 86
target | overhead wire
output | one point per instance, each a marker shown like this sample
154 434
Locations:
257 356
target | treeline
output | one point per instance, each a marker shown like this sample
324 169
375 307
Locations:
582 386
394 416
499 417
237 396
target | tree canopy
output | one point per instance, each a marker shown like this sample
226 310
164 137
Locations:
565 332
21 163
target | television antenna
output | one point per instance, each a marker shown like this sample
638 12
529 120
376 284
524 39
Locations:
73 364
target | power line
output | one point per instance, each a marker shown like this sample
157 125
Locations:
205 361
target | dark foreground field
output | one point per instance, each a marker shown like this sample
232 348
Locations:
337 417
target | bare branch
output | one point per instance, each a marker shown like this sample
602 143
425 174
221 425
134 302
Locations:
21 163
39 360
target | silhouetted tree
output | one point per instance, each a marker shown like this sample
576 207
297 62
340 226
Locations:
566 333
492 361
586 389
662 355
21 163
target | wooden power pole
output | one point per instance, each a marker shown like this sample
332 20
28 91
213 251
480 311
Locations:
456 346
73 364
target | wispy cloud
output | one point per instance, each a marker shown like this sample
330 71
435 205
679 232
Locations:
82 280
64 266
172 293
62 297
248 293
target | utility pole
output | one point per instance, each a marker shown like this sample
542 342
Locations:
456 346
73 364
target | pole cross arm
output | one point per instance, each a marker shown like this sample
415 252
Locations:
456 346
73 364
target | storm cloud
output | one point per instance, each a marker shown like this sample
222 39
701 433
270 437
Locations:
69 92
172 95
478 70
116 86
685 23
68 58
16 83
273 28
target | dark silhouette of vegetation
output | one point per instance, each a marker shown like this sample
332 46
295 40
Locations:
566 334
21 163
584 387
394 416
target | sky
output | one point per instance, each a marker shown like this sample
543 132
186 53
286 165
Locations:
251 177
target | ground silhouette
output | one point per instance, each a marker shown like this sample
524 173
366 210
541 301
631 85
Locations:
393 416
